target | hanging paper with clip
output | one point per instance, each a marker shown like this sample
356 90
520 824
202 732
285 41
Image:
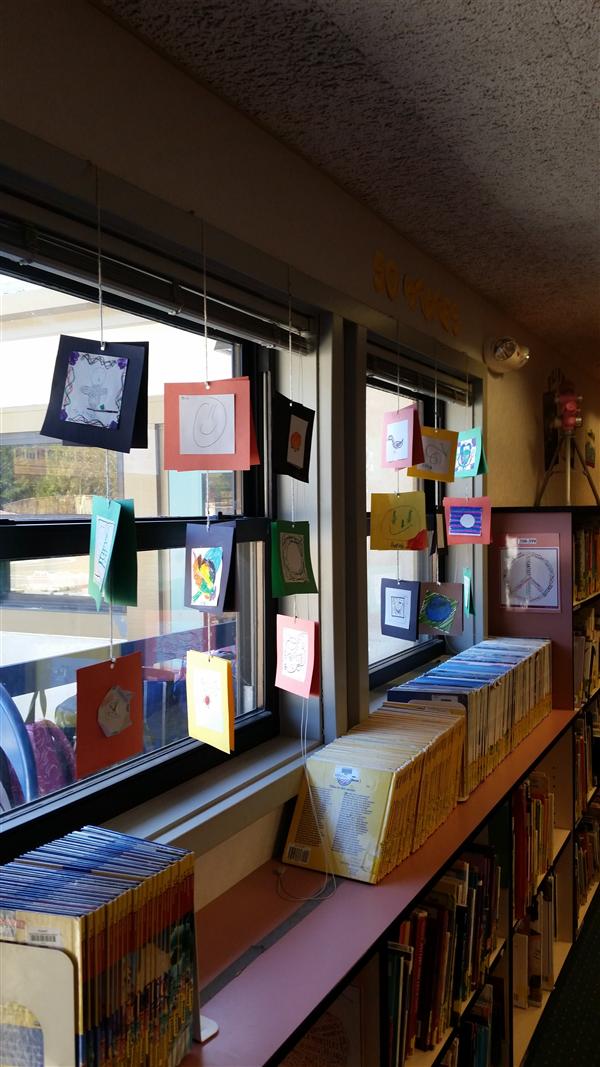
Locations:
439 452
291 567
208 570
210 703
99 395
470 454
292 437
110 718
467 520
113 552
401 444
398 521
298 669
208 426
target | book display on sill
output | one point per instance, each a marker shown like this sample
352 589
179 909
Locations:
97 946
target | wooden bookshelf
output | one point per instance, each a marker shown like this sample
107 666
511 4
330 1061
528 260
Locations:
315 948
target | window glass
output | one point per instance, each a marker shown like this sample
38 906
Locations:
42 477
161 627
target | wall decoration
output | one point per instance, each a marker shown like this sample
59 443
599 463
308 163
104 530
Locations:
529 572
468 520
99 396
398 521
298 656
210 703
400 608
110 724
441 610
113 552
208 425
401 443
439 447
291 568
292 437
470 454
208 572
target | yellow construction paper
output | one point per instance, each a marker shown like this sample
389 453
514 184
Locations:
398 520
209 685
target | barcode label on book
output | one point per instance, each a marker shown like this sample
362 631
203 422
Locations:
298 854
44 936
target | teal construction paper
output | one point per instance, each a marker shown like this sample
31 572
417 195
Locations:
121 584
470 454
105 521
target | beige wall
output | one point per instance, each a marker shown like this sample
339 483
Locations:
89 87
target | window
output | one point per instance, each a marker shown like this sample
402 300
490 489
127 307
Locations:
50 624
396 380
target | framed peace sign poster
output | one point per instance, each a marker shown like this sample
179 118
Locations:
530 572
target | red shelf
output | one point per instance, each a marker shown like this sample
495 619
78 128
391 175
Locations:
259 1010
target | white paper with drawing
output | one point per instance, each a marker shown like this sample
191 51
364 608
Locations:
294 662
94 389
207 424
396 442
397 607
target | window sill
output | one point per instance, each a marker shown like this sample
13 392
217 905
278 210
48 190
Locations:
208 809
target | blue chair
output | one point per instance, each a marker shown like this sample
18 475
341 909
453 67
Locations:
14 740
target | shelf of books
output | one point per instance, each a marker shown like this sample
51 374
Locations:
526 1019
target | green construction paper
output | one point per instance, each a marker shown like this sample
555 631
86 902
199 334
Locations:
291 568
121 584
105 521
470 454
468 590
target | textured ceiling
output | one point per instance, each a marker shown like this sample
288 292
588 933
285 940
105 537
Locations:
469 125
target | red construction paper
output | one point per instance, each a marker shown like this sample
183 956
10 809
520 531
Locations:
468 538
94 750
213 461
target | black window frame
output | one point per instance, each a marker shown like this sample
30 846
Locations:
127 785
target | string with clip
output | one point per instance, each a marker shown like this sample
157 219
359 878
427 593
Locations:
397 410
102 348
290 357
205 306
208 633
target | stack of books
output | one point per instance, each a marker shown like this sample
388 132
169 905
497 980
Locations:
504 685
587 852
373 796
586 653
533 838
122 910
586 562
442 954
533 948
584 776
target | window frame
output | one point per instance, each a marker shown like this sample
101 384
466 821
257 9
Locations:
403 371
37 538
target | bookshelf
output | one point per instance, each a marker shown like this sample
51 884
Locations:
270 967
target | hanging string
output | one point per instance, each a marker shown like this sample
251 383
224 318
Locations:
291 389
110 606
468 415
99 255
205 306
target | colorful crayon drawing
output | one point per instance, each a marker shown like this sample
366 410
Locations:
207 571
438 610
466 520
398 521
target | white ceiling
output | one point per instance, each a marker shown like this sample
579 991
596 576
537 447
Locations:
469 125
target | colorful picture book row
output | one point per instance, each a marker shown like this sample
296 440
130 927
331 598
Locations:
371 797
112 917
504 686
99 397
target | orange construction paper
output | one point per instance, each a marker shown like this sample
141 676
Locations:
211 461
94 750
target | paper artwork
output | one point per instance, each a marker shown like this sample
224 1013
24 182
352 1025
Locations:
470 454
441 610
468 591
206 424
467 521
439 452
113 552
110 726
401 440
291 568
292 437
98 396
398 521
208 553
209 427
37 1021
529 572
297 656
399 608
210 703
